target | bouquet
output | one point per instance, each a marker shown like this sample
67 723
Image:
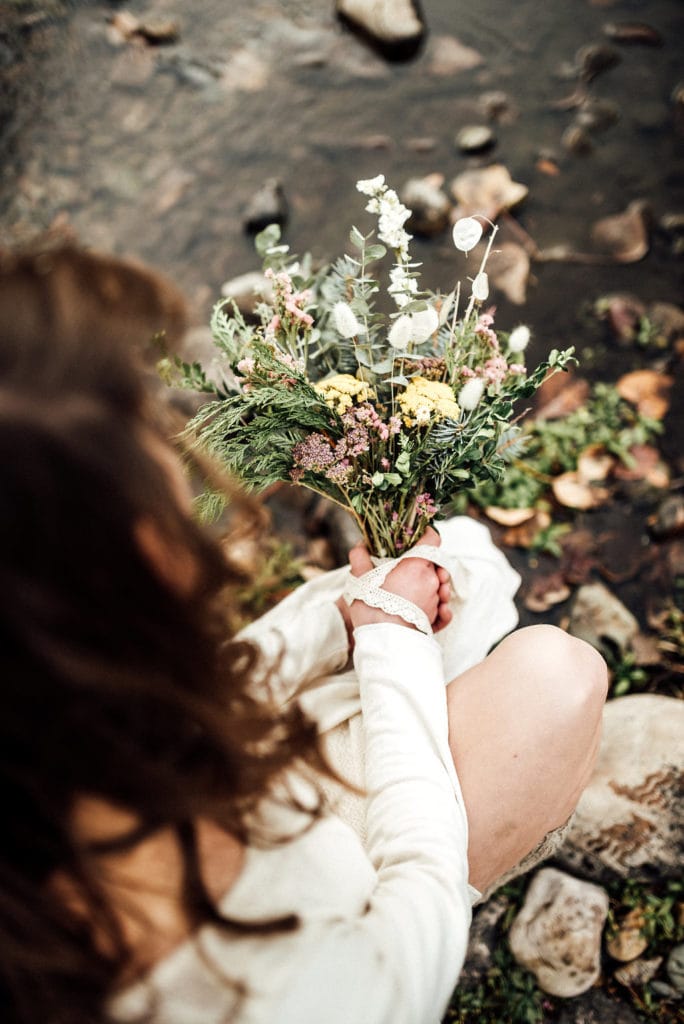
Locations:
390 415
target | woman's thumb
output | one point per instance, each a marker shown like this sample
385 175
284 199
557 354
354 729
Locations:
359 560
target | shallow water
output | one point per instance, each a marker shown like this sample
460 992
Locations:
156 151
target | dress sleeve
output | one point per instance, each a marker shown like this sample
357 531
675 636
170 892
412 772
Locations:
309 642
399 962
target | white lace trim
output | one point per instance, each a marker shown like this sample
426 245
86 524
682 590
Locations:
368 588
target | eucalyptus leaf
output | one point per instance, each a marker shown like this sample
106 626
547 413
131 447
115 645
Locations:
445 310
384 366
375 252
399 379
356 238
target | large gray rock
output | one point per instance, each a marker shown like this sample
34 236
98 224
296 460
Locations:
598 617
388 21
630 818
557 933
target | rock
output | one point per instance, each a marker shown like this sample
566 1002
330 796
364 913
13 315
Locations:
267 206
499 107
388 22
597 1007
247 290
668 521
483 939
448 56
557 933
628 942
591 60
474 138
598 617
677 99
675 967
630 819
429 205
597 115
575 139
638 972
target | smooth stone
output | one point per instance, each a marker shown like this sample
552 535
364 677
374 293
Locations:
557 933
629 820
598 616
575 139
267 206
474 138
429 206
675 967
388 21
668 520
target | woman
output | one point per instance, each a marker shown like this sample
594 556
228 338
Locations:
170 856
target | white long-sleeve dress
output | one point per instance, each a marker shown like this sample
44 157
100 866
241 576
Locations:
383 896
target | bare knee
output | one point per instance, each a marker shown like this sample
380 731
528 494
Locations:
567 673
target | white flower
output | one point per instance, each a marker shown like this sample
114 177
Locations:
345 320
467 233
519 339
422 414
400 332
424 323
480 286
402 285
413 327
369 186
471 393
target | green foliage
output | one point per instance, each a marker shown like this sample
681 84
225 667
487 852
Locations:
626 675
553 446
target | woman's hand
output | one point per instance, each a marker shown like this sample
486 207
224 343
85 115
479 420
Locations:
415 579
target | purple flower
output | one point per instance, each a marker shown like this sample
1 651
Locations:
314 453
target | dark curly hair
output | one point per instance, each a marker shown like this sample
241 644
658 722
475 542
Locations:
114 684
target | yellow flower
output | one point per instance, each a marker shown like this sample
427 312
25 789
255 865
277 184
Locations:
340 392
425 401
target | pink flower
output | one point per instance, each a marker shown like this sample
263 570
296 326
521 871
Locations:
495 369
518 368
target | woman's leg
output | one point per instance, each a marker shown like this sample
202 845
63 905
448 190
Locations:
524 730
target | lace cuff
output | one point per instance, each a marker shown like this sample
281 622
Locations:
367 588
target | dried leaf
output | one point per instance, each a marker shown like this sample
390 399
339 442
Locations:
558 397
572 491
509 270
648 466
523 536
509 516
546 166
595 463
648 390
625 235
546 591
487 191
646 649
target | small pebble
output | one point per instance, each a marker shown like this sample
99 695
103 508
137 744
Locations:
474 138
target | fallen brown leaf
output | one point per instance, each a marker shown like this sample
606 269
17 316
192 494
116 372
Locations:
646 649
487 191
648 466
546 591
625 235
648 390
522 536
595 463
573 491
509 516
559 397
